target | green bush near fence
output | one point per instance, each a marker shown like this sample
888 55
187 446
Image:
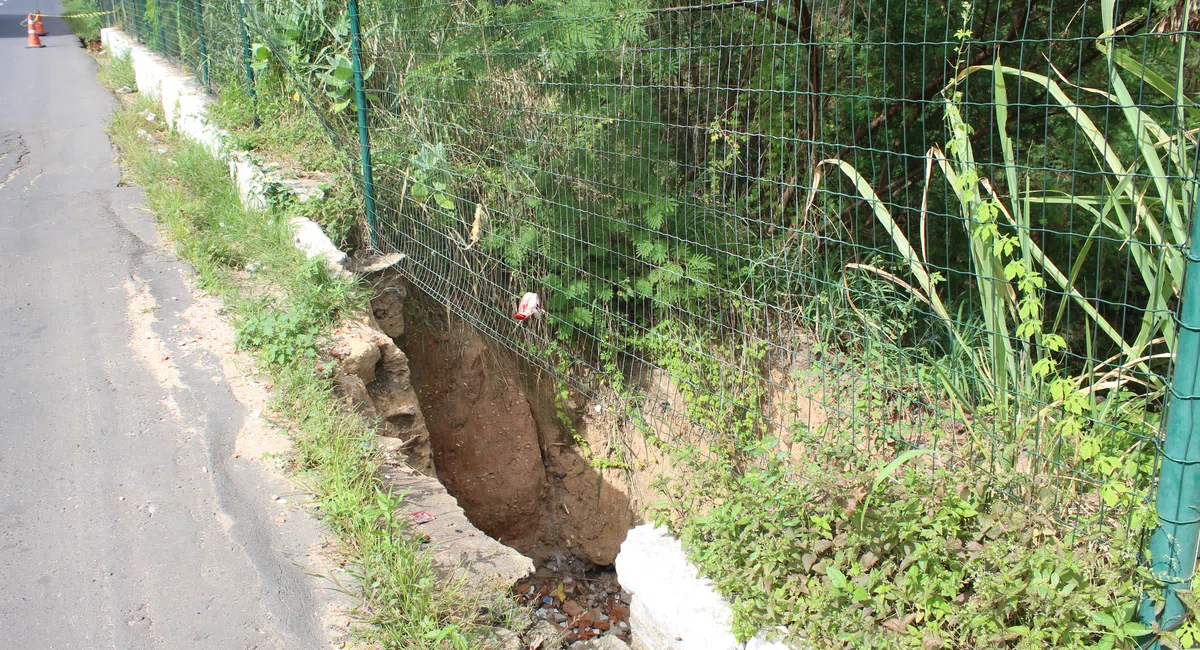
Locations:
89 21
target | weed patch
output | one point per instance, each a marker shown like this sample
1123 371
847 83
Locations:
276 123
117 73
936 559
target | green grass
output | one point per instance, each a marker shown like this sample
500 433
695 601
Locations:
276 125
117 72
853 539
284 126
282 311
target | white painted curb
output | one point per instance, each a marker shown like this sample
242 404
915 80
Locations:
185 106
673 608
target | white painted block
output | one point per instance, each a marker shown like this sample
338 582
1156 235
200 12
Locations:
185 106
192 121
149 70
250 180
115 41
170 90
309 237
673 608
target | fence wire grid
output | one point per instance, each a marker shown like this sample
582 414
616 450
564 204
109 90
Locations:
957 226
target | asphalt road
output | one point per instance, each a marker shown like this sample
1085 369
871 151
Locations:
125 520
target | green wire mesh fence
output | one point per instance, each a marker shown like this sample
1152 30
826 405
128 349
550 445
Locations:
887 224
207 36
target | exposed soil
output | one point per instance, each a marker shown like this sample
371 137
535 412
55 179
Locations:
485 443
499 449
373 375
205 328
147 346
548 490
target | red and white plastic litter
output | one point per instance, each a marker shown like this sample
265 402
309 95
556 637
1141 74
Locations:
530 305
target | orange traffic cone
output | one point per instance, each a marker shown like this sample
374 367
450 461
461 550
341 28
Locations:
34 41
38 25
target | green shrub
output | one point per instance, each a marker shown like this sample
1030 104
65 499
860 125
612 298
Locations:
928 557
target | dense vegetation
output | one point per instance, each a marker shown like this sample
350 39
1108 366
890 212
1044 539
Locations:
954 228
954 191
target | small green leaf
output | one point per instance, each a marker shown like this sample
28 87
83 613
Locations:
342 68
1105 620
1134 628
836 578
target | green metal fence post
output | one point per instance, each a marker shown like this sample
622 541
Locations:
1173 544
203 46
246 57
137 20
162 33
364 135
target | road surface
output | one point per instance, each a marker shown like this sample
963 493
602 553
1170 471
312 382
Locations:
125 520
